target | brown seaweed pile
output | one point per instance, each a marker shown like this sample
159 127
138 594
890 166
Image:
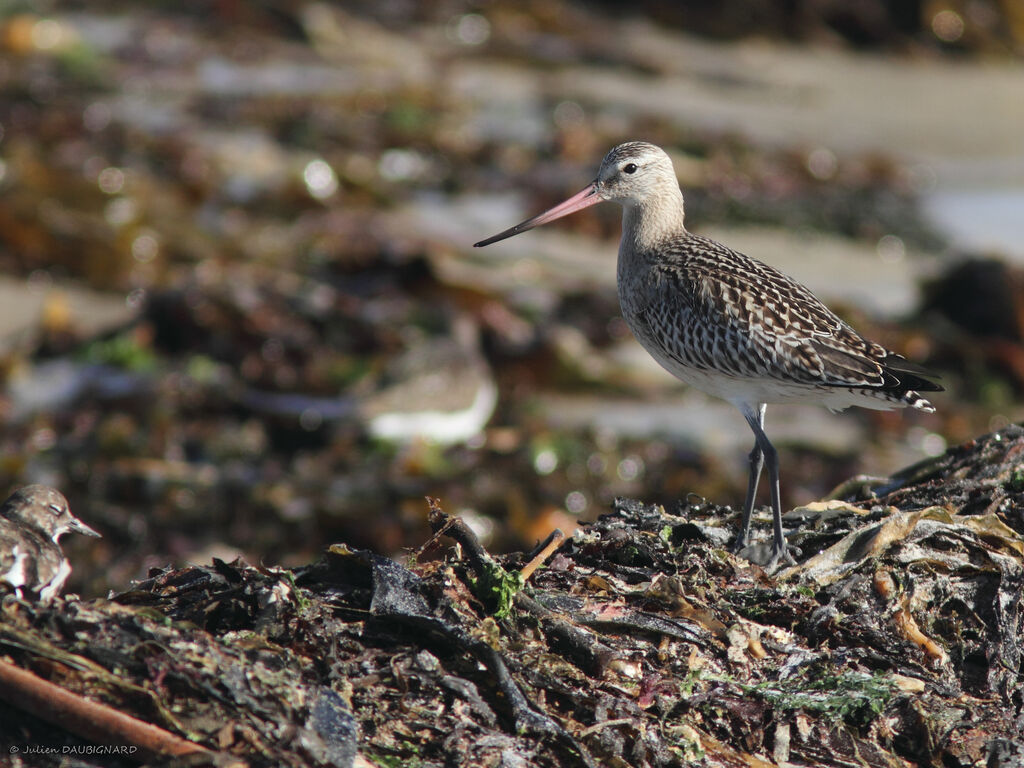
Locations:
896 641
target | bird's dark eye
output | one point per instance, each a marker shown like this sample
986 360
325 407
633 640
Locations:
55 508
629 168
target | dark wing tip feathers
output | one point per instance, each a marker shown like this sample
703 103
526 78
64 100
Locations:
907 376
900 378
898 375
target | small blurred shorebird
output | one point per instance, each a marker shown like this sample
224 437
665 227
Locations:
32 520
439 390
729 324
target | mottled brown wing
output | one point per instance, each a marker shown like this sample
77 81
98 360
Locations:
738 316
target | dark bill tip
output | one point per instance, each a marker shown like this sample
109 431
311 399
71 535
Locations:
503 235
582 199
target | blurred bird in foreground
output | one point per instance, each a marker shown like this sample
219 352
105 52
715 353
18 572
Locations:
32 520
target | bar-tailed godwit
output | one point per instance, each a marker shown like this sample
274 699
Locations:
728 324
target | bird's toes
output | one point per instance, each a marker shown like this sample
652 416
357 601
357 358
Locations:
784 555
767 555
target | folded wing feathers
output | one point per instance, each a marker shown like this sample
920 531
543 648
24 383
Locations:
871 366
764 311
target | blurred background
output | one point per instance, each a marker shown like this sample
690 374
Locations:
242 313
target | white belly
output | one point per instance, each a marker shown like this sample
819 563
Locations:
754 391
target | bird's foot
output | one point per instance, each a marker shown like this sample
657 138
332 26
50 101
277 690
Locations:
768 556
785 554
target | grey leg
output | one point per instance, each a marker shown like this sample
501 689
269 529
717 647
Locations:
771 458
756 464
764 453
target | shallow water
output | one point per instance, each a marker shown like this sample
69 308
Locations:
984 220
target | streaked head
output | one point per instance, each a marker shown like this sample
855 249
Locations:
630 174
634 172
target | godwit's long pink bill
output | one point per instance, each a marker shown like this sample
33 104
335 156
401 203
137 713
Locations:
582 199
729 324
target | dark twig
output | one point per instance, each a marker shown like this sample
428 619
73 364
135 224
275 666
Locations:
443 524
